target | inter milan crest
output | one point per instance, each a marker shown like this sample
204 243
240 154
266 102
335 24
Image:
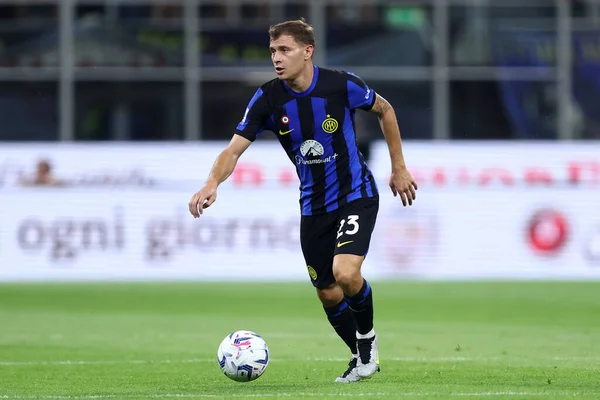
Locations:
312 273
330 125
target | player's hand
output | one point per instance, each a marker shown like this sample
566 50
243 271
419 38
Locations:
202 199
402 183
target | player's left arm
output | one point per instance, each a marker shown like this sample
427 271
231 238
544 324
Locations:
401 181
361 96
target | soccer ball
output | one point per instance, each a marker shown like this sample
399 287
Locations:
243 356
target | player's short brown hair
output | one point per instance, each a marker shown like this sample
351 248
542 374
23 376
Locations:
299 29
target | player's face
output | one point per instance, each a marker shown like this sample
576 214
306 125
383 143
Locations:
288 56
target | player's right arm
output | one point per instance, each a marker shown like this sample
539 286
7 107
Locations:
221 170
246 132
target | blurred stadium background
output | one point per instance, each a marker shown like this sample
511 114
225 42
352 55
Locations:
122 105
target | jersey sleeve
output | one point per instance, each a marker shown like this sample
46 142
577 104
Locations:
359 94
255 118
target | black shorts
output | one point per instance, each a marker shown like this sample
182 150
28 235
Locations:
346 230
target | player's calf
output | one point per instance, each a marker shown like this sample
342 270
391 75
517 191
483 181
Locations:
361 305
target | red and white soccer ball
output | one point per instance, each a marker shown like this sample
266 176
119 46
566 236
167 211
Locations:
243 356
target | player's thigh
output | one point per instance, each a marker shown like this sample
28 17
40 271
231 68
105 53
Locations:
355 227
317 239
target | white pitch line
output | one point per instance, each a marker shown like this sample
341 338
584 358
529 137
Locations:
308 359
583 358
107 362
207 360
267 395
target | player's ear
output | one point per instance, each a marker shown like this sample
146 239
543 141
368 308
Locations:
308 51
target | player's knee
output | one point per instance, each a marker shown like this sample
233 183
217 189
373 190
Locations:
331 295
346 278
347 273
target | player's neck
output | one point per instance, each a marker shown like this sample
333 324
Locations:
303 81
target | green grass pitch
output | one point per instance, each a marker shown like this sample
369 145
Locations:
487 340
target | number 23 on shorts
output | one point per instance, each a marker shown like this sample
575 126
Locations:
351 225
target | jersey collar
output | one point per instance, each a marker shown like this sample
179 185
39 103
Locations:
310 88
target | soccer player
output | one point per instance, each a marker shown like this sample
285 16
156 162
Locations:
311 110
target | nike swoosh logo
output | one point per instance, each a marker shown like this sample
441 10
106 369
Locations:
344 243
284 133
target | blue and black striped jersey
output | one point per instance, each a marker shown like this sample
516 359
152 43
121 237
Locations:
317 130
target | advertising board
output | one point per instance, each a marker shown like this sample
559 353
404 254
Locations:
483 211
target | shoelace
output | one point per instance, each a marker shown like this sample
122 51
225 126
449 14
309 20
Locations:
351 366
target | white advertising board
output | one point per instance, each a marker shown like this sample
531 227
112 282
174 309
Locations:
483 211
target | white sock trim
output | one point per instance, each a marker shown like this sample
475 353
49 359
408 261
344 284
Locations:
368 335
